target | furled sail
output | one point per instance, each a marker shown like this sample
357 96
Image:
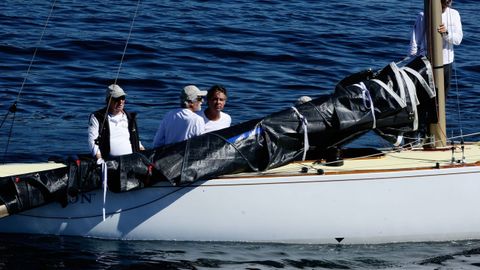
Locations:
398 99
392 101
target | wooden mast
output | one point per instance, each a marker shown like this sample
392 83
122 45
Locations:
433 18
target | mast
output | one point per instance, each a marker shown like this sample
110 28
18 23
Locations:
433 18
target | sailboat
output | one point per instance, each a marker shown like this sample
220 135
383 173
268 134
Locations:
282 178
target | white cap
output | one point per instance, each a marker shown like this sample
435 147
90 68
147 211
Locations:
191 93
115 91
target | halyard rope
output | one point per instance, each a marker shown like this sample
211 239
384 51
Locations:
104 165
121 61
367 102
306 144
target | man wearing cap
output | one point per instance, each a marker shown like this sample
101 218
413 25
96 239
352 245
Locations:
114 133
182 123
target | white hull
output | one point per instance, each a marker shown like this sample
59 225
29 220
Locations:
415 205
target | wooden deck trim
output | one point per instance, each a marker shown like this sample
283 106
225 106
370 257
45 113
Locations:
278 175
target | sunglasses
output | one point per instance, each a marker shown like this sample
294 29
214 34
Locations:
199 99
118 99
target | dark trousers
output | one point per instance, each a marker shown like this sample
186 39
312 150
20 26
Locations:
447 76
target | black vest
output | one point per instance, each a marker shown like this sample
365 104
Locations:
103 139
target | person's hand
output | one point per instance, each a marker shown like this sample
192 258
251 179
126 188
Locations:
100 161
442 29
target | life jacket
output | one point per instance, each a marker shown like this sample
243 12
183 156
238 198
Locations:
103 139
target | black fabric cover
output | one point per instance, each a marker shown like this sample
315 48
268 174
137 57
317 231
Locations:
255 145
23 192
277 139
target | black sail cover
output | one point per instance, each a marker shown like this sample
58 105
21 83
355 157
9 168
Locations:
395 100
392 101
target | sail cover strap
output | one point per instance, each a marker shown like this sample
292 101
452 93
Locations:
367 101
405 84
305 132
399 79
389 90
413 97
431 93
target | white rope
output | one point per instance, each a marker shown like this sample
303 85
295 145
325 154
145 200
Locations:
305 132
104 180
366 97
399 140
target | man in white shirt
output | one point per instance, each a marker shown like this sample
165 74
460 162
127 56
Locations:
452 34
213 116
182 123
114 133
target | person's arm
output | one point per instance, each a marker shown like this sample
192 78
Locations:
92 136
455 35
199 127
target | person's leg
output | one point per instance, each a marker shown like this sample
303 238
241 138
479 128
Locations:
447 75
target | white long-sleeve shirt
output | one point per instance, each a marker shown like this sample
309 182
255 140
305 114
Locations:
178 125
451 19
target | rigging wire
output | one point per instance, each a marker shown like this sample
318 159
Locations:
455 79
13 107
459 109
119 68
128 40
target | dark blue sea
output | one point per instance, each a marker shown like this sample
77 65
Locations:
58 57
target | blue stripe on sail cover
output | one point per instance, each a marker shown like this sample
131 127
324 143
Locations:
245 135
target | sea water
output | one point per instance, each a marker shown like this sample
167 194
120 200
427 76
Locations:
57 57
